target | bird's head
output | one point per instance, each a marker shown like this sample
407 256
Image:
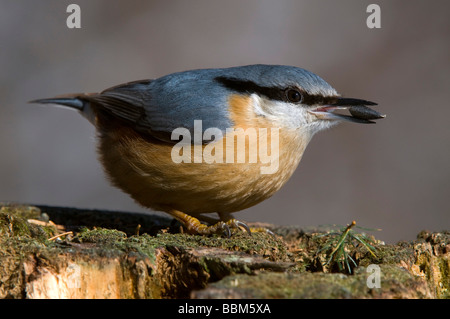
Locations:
295 98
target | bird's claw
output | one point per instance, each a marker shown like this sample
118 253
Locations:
234 223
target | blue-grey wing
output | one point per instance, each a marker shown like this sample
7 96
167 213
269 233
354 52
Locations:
157 107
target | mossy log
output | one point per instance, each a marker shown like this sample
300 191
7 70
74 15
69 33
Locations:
54 252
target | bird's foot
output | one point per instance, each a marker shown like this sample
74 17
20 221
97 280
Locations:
194 226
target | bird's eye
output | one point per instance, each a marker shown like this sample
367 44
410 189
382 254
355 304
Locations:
293 95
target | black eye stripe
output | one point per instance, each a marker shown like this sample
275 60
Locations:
250 87
273 93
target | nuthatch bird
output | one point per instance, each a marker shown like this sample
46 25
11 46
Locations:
140 123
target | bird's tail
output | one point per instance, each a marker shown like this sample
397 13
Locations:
78 101
75 101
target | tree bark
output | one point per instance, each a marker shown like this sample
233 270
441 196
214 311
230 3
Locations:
55 252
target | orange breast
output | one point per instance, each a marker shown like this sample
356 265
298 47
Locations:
144 167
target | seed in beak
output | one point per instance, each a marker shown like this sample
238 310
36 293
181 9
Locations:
365 113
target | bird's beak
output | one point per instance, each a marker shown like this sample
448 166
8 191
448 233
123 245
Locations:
359 111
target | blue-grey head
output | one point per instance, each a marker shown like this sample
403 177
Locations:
285 95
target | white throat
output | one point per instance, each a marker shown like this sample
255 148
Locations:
289 115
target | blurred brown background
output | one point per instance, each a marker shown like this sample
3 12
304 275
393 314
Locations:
394 175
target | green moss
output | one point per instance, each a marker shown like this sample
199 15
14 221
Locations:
101 236
15 226
444 284
258 243
288 285
11 225
261 244
395 283
23 211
